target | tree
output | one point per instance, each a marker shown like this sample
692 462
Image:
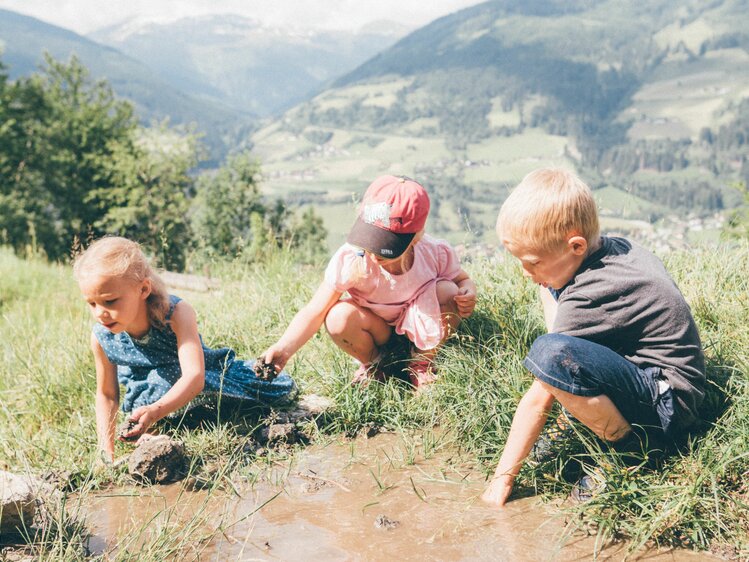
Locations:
738 219
224 203
58 135
309 237
148 200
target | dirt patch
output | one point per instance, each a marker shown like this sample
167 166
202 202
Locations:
325 503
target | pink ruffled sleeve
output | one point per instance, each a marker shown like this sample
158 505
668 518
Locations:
345 269
448 264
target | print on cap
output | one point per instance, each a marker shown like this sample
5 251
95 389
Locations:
377 212
393 210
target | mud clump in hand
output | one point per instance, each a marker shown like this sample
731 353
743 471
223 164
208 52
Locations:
125 428
265 371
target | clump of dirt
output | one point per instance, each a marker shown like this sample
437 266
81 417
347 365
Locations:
384 522
124 428
158 460
368 431
277 434
265 371
63 480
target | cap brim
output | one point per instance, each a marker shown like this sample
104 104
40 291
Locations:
381 242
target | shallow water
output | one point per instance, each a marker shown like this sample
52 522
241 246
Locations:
359 500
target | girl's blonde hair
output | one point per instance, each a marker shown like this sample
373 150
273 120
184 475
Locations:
114 256
545 208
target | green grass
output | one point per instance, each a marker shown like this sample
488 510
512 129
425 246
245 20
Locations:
698 500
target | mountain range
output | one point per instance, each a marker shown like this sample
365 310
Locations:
222 73
632 95
244 64
649 101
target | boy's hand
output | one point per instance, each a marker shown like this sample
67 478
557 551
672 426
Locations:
277 356
499 490
466 301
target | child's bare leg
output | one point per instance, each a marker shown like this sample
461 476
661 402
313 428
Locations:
356 330
598 413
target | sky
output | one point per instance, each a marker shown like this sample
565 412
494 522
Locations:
85 16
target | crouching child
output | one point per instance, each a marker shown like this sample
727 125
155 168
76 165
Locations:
622 354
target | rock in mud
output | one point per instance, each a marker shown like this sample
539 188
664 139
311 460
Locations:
17 503
384 522
278 433
158 460
368 431
307 408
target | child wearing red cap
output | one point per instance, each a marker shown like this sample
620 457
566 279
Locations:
398 282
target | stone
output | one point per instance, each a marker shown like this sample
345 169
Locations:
384 522
17 503
309 407
278 433
158 460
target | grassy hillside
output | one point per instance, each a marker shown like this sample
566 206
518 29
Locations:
649 100
698 500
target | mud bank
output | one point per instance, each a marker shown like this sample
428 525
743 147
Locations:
368 499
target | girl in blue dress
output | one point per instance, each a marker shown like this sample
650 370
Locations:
148 341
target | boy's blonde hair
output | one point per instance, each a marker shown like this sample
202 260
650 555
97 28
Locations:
545 208
114 256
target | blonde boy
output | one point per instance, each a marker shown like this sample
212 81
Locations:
622 355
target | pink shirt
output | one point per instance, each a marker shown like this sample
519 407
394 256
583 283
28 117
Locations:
407 301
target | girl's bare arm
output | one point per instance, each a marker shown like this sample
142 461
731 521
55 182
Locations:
303 326
192 371
107 399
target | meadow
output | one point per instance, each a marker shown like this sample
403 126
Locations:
699 499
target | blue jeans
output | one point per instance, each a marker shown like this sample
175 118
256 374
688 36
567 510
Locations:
584 368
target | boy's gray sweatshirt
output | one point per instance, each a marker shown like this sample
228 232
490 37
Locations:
623 298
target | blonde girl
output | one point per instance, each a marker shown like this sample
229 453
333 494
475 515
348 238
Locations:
147 341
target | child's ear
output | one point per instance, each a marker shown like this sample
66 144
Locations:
145 289
578 244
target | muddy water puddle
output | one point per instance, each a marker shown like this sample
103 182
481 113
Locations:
361 500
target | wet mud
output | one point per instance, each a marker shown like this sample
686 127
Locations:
265 371
365 499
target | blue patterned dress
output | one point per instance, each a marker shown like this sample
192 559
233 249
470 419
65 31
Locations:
148 367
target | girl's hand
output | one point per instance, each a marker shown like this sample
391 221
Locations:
276 355
466 301
143 417
499 490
